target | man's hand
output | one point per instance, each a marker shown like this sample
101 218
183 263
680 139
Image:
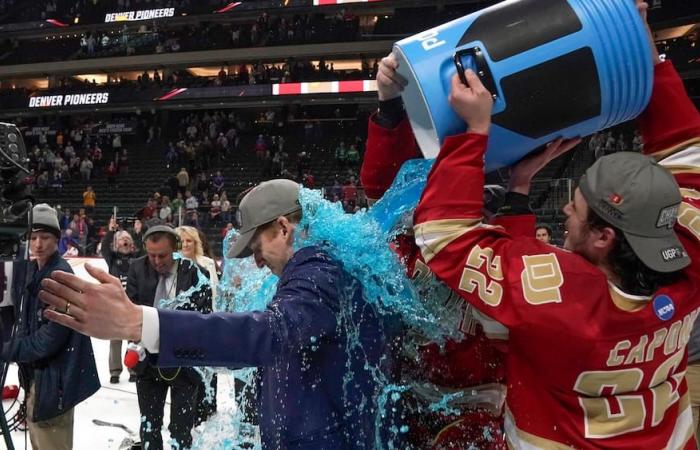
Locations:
99 310
113 224
389 83
472 103
522 173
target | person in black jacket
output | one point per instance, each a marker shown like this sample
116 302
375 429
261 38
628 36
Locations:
118 250
156 280
56 365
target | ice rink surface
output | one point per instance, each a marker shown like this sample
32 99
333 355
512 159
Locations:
116 403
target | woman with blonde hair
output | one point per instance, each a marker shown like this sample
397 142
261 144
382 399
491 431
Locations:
192 248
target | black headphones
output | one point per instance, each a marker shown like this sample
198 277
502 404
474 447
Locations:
163 229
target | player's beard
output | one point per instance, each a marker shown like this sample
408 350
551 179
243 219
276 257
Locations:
576 240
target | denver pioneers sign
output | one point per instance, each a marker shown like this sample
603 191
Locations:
49 101
133 16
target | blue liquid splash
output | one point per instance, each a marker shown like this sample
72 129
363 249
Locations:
361 242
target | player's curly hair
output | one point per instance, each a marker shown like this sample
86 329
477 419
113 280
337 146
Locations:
636 278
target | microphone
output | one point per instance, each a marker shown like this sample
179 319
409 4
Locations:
134 355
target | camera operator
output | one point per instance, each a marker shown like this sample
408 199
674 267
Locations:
56 365
118 249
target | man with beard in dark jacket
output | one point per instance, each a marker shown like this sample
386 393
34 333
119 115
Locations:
57 365
118 250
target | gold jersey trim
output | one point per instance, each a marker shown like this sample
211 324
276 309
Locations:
518 439
433 236
627 302
661 154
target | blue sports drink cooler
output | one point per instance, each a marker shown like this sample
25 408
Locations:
556 68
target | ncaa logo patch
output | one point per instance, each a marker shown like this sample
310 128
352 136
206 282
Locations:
664 307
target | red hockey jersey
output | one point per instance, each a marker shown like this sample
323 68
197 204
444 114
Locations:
587 365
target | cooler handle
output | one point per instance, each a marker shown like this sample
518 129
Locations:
481 68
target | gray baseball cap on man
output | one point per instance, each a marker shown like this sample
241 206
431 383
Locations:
263 204
642 199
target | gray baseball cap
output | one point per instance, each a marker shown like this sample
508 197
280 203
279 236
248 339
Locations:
263 204
636 195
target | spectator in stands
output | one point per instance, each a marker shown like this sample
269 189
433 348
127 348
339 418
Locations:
65 241
137 233
117 143
97 160
93 237
261 148
544 233
165 213
42 182
225 207
175 207
124 162
171 155
118 250
183 180
64 217
111 176
352 156
191 203
202 182
214 211
341 154
86 167
218 182
89 199
57 179
149 211
192 220
74 166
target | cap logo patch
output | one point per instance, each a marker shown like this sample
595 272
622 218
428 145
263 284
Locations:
616 199
664 307
667 217
609 209
673 253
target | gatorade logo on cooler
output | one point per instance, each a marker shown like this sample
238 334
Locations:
664 307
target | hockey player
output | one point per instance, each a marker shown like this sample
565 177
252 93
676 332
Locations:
597 334
469 369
